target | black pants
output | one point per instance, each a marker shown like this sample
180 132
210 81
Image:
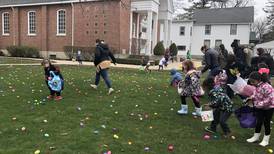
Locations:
220 117
161 67
195 99
52 93
263 118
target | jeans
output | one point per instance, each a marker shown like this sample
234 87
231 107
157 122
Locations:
104 74
220 117
263 118
195 99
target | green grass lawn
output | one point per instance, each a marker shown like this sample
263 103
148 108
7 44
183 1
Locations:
17 60
138 95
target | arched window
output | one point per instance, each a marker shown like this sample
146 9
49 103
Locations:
31 23
5 23
61 22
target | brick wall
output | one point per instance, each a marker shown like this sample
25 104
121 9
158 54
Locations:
105 20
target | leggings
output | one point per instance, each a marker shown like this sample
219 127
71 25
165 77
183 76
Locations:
263 118
195 99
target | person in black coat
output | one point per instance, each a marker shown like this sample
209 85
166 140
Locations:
48 67
211 61
263 57
102 63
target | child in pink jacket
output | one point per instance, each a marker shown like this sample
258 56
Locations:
263 99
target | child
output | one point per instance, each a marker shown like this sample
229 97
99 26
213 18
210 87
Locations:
221 78
146 64
79 57
221 104
163 62
176 77
48 67
191 87
263 99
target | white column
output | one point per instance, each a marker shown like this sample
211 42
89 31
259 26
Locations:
138 31
130 32
155 30
166 31
149 32
169 31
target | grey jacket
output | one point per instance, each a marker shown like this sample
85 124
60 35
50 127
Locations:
211 59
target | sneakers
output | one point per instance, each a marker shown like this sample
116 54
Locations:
94 86
58 98
110 91
184 109
209 130
265 141
254 138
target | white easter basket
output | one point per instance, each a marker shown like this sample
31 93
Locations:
207 116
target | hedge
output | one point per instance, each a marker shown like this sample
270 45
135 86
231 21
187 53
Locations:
159 49
130 61
86 52
23 51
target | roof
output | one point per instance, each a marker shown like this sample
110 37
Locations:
8 3
224 15
266 45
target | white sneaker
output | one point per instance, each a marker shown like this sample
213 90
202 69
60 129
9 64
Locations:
184 109
110 91
197 111
265 141
93 86
254 138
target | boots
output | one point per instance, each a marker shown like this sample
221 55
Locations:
197 111
110 91
184 109
255 138
265 141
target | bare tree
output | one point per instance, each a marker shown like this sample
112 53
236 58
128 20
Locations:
260 27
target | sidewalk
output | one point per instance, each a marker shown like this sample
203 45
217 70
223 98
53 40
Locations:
176 65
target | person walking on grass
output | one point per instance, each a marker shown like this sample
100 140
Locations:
221 104
263 100
57 86
190 87
102 63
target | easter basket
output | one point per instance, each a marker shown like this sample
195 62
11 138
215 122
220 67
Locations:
246 116
207 115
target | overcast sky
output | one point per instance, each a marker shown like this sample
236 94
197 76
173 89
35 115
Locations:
258 4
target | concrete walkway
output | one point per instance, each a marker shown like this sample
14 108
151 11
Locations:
176 65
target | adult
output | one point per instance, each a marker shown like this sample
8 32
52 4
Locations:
79 57
102 63
263 57
223 53
211 61
240 58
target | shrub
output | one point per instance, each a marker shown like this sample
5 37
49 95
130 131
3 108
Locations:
23 51
86 52
173 49
159 49
2 53
129 61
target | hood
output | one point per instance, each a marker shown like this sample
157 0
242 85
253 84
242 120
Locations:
173 71
104 46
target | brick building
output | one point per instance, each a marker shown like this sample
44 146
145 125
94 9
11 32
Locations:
50 25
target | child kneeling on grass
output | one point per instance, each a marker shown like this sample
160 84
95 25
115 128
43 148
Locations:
190 87
263 99
221 104
176 77
50 72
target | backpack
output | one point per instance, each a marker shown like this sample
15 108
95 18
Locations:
56 82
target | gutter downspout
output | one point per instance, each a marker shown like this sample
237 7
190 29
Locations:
72 26
13 20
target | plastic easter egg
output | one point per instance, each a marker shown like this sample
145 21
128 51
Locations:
146 148
233 137
23 128
115 136
129 143
206 137
37 152
46 135
170 147
269 150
